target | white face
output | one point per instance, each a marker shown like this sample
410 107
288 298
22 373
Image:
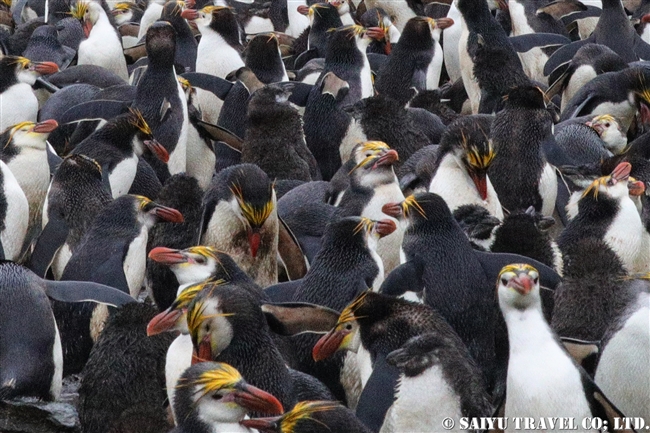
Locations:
199 269
24 138
217 325
510 298
203 21
212 409
93 12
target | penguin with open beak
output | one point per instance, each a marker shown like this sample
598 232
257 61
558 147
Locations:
213 396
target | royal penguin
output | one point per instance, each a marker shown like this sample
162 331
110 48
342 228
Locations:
526 233
14 215
220 33
376 19
182 193
113 251
161 98
116 147
25 153
402 11
620 94
264 58
537 358
322 17
415 61
606 211
240 219
592 141
435 358
519 172
125 372
274 139
310 417
620 370
287 18
77 193
372 185
102 46
460 173
32 362
126 12
439 255
214 397
18 102
227 324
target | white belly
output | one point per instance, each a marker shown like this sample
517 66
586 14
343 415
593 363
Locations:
297 21
103 48
17 215
32 172
628 238
366 79
435 67
200 159
258 25
121 178
135 262
61 259
179 358
17 104
178 158
451 37
579 78
57 356
624 364
467 71
150 16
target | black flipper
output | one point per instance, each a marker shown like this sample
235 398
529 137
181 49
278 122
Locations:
294 318
42 83
563 55
93 110
578 110
601 406
216 85
70 54
304 57
405 277
48 243
18 11
379 394
290 252
217 133
111 272
282 292
591 12
641 48
524 43
82 291
300 93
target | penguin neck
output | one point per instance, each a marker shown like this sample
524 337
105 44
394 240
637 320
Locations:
613 19
119 133
527 328
101 26
475 12
7 75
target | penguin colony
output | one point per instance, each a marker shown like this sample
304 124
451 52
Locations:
346 216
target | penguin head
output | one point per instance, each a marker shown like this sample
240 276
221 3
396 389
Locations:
615 185
610 131
174 318
195 264
321 13
477 223
172 10
525 97
145 135
263 49
306 416
252 199
424 29
215 392
149 212
345 335
29 134
161 43
75 166
342 6
419 353
518 287
353 34
126 12
88 12
410 209
373 164
25 70
470 144
220 19
225 315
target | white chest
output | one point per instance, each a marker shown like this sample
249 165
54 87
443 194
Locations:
17 104
135 262
122 175
353 136
179 358
17 215
628 238
433 71
548 190
178 158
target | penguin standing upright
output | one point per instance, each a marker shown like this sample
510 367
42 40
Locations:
25 153
240 219
14 215
32 362
322 18
460 173
161 99
113 251
76 195
519 172
186 44
538 361
274 139
415 61
263 57
219 34
102 46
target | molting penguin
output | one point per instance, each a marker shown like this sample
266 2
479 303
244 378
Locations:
76 195
443 360
124 373
241 219
460 175
17 100
116 147
219 34
372 185
264 58
605 211
161 98
102 46
213 397
44 46
415 61
186 45
32 362
14 215
274 139
536 356
113 251
24 151
519 172
310 417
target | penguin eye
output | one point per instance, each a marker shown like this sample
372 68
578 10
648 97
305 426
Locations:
216 396
536 280
348 326
200 260
504 281
607 125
